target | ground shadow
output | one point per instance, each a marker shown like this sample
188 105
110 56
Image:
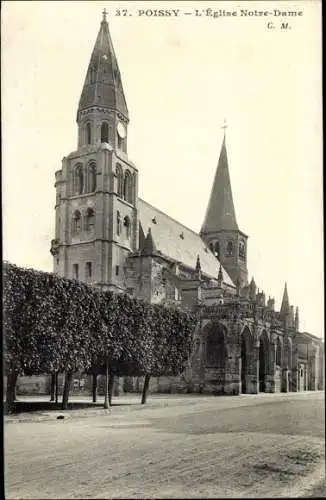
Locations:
31 406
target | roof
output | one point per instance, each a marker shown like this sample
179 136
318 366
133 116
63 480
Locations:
178 242
309 336
220 213
103 85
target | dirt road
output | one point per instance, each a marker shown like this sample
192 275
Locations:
243 446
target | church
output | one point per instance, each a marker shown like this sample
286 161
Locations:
107 236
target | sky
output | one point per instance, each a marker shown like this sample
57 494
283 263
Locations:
182 76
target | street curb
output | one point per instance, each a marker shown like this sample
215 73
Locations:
54 416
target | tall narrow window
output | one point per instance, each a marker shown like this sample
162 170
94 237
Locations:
278 352
127 226
119 175
127 187
91 177
211 247
78 180
75 271
119 142
118 223
242 250
88 133
59 227
88 270
90 219
117 270
217 250
104 132
76 222
230 248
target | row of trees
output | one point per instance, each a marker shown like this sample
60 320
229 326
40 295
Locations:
55 325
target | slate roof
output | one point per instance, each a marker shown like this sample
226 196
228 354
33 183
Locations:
103 85
177 241
220 213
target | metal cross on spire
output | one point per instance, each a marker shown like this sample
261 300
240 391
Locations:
224 126
104 14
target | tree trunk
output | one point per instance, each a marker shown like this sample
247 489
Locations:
66 389
111 383
11 391
56 387
94 386
106 387
145 389
52 389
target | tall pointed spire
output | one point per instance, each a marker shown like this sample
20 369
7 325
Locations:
285 307
103 86
220 213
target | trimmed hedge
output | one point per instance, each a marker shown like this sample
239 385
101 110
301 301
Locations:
52 324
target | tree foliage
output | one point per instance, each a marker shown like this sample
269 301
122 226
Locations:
54 324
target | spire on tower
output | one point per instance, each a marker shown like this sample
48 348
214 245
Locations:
285 307
220 213
103 86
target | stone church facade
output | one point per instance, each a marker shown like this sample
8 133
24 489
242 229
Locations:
107 236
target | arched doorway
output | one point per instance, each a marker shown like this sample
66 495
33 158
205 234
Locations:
247 362
263 361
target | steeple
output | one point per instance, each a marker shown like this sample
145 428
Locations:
103 86
285 307
102 115
220 213
220 229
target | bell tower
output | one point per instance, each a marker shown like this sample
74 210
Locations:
220 230
97 186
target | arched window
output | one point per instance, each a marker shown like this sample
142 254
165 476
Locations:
104 132
229 248
211 247
217 250
242 250
278 352
118 223
90 219
88 133
76 222
91 177
78 180
127 187
126 223
119 175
